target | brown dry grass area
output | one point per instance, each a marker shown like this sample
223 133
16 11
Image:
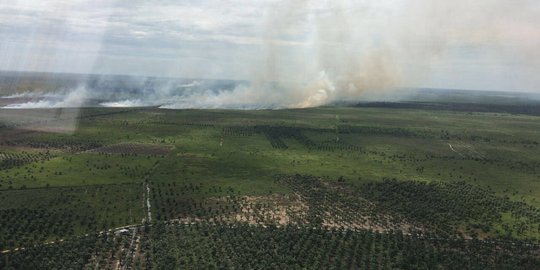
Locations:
10 134
64 126
57 120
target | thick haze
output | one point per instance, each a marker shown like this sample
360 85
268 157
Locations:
293 53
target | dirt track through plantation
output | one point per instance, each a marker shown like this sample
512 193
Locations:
453 150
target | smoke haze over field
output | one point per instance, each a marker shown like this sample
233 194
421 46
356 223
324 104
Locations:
290 54
72 99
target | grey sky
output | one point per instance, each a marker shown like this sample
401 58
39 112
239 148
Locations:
488 44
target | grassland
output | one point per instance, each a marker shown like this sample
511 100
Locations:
382 170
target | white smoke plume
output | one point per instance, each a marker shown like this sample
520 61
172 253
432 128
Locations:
73 99
31 95
345 50
125 103
311 53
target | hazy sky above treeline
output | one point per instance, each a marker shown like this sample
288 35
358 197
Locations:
482 44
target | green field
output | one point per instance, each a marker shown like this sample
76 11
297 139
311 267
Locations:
471 175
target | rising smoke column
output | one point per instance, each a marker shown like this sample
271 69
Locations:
318 52
315 53
310 53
